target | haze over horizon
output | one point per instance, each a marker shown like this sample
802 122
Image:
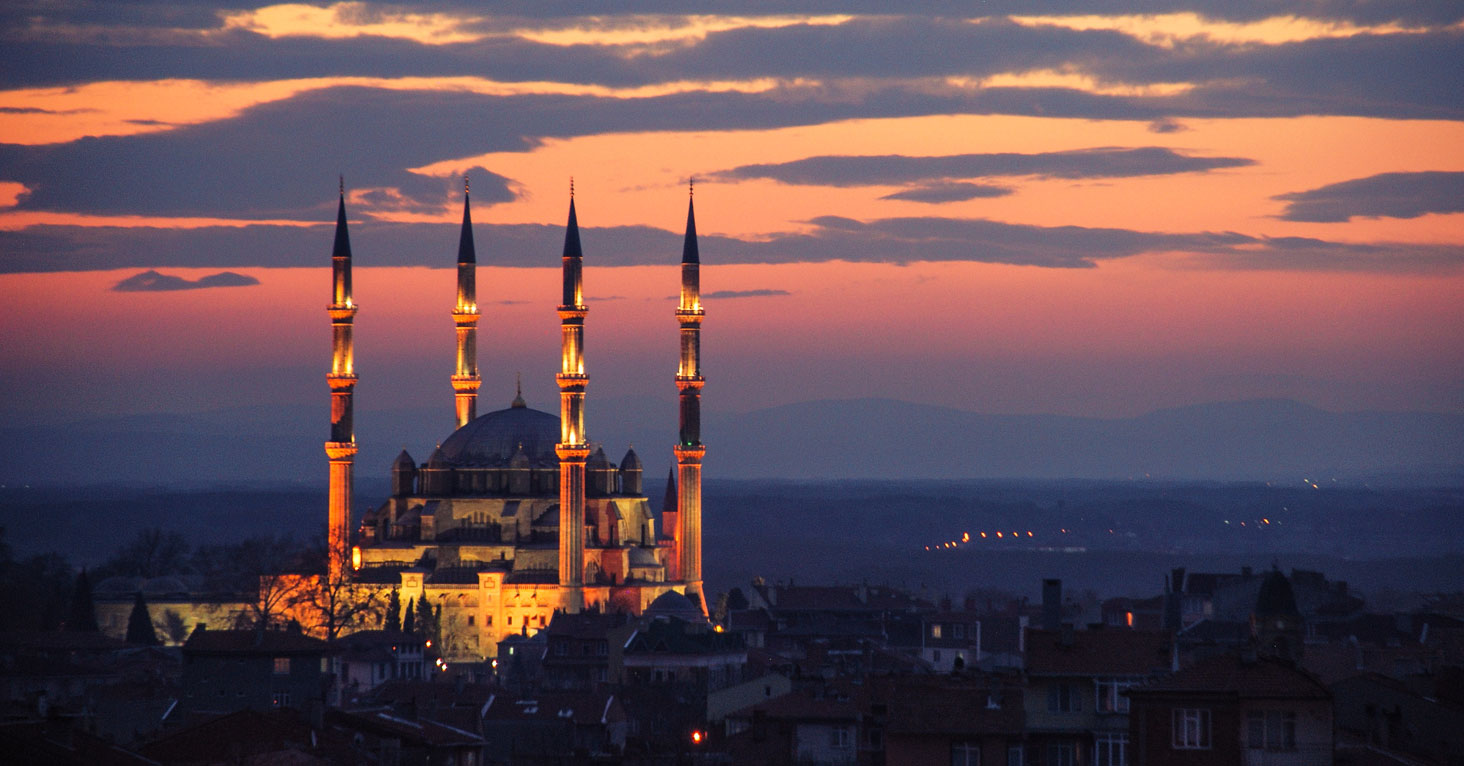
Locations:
996 210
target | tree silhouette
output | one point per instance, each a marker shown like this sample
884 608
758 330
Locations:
140 625
394 611
83 612
409 622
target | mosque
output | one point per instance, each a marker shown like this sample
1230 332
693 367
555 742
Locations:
516 514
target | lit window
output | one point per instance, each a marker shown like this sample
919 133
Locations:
935 631
1191 729
282 666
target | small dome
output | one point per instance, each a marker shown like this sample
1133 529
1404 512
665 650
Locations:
119 585
519 459
403 461
164 586
438 460
598 459
673 604
631 461
1276 596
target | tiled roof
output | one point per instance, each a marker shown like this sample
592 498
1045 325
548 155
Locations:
248 733
1097 652
944 705
584 708
252 642
1250 679
420 731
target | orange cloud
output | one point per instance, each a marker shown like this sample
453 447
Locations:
1170 29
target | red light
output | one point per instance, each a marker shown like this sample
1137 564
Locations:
698 736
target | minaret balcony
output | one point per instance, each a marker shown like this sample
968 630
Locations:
572 381
466 383
690 382
465 315
691 316
340 451
342 381
572 453
342 312
689 454
573 312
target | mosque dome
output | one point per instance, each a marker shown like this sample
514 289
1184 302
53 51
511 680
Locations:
495 437
673 604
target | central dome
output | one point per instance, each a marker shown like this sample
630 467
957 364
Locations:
495 437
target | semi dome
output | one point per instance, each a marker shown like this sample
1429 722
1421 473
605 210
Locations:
496 436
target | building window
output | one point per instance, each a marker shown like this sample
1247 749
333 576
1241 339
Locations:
839 738
1110 750
958 631
1191 729
282 666
935 630
470 620
935 655
966 754
1061 755
1015 755
1064 698
1271 730
1110 695
280 699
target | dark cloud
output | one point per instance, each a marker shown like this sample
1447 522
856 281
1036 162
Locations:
1390 195
153 282
832 238
898 169
1387 75
1166 126
948 192
721 295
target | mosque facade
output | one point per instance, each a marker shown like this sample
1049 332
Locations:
517 514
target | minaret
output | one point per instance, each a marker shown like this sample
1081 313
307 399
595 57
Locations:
341 448
573 448
689 381
465 380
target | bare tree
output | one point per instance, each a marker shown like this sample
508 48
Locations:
337 606
152 552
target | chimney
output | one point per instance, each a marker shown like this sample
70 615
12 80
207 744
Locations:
1052 604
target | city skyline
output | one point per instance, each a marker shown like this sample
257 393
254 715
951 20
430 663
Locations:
1086 215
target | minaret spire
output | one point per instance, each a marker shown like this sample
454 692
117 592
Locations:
573 448
465 379
341 448
689 381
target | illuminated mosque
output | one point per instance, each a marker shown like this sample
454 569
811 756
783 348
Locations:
516 514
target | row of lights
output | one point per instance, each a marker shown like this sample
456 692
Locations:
966 538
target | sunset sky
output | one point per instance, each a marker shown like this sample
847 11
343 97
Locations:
1109 209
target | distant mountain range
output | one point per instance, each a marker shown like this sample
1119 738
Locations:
1272 440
